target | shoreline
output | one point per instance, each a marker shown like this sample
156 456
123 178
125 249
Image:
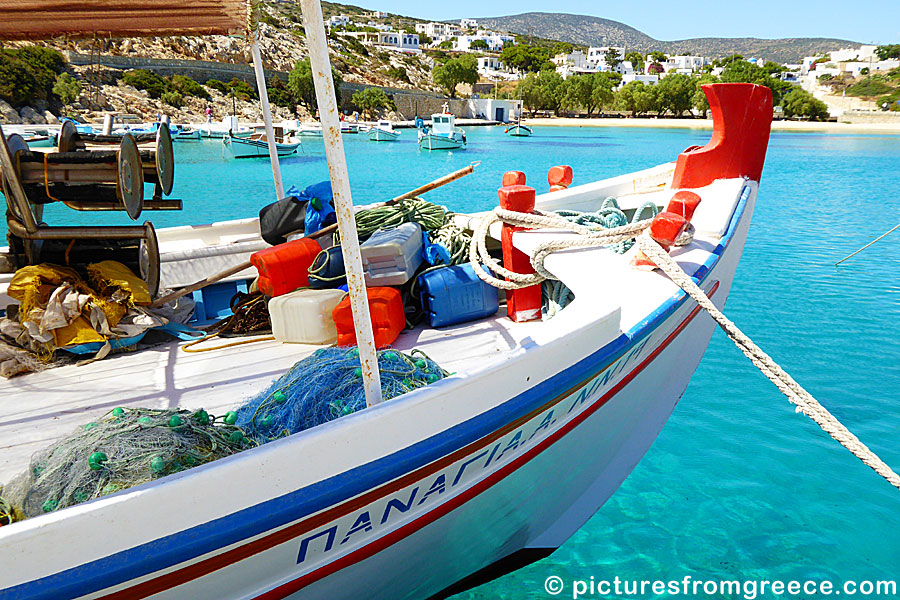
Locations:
789 126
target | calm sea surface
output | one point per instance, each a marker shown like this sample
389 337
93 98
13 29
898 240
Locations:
737 486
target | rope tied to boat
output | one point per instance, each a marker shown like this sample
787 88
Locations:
796 394
590 236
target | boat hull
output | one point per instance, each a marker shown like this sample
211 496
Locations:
383 135
242 148
519 131
430 141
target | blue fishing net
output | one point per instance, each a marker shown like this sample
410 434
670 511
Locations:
327 385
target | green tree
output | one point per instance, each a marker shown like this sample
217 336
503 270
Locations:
799 102
67 88
542 91
561 48
699 99
741 71
637 60
889 51
148 81
589 91
675 93
189 87
479 45
721 62
173 98
371 100
655 68
658 57
523 57
28 73
773 67
612 58
463 69
300 84
638 98
280 95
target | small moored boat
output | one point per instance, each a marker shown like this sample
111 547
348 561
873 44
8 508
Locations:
383 131
519 130
257 145
443 134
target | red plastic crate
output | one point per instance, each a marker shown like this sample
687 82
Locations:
386 310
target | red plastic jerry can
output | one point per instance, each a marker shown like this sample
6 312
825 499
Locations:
386 310
285 267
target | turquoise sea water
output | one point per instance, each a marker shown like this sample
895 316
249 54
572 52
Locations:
737 486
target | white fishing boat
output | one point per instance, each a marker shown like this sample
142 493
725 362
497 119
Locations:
435 490
442 134
310 130
383 131
257 146
519 130
186 134
228 126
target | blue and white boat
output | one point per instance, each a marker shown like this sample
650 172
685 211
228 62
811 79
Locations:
442 134
383 131
257 145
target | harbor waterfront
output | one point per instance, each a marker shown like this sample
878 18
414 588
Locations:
737 486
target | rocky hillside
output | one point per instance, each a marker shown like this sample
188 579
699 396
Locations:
282 43
594 31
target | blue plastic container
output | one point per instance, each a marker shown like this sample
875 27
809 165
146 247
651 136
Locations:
213 302
456 295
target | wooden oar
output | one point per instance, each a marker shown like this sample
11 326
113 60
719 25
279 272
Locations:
322 232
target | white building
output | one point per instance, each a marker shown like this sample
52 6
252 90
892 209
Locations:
597 56
645 79
684 64
577 59
494 41
377 14
468 24
504 111
337 21
399 40
437 30
861 54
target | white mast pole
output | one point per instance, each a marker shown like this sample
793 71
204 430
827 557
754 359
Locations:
267 115
314 25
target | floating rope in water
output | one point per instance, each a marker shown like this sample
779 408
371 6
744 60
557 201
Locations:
125 448
327 385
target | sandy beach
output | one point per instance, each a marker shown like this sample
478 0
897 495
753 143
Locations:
805 126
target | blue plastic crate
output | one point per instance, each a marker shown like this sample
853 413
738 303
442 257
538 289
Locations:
456 295
213 302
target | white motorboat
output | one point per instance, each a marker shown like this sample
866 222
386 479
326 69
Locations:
228 126
310 130
442 134
519 130
257 146
383 131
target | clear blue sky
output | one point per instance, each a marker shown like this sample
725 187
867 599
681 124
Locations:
860 20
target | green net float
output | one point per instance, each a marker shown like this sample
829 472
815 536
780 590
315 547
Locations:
279 397
421 363
157 464
89 426
110 488
202 417
431 378
96 460
316 203
80 496
390 355
406 382
37 470
266 422
357 372
230 417
145 420
354 351
236 437
175 421
50 505
118 411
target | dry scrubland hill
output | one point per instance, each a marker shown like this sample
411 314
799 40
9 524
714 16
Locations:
594 31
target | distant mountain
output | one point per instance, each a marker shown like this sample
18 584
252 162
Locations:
585 30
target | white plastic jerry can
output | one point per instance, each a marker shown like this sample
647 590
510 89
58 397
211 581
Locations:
304 316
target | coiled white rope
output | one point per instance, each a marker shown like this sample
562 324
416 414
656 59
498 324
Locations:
795 393
589 237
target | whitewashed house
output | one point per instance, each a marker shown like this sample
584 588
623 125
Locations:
468 24
436 29
399 40
494 41
337 21
597 56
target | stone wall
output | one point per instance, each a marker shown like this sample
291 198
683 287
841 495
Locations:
871 116
198 70
409 104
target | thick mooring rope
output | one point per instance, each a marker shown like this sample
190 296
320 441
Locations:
785 383
590 237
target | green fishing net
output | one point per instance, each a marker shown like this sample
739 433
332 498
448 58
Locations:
125 448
